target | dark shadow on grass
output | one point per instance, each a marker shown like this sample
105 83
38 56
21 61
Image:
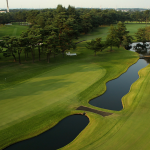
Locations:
35 88
47 82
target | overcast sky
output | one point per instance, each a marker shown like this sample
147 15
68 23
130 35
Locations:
76 3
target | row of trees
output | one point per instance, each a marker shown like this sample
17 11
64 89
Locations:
53 31
51 40
119 36
90 17
57 38
116 37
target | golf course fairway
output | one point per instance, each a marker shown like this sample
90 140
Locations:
11 30
32 106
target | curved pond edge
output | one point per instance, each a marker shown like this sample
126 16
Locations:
43 131
106 88
130 90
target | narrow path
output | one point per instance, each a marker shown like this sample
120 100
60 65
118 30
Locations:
102 113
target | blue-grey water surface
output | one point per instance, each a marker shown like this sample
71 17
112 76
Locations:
117 88
60 135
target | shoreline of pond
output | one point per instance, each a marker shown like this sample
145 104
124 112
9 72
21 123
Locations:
96 104
108 81
85 119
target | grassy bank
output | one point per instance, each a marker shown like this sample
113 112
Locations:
48 97
35 97
129 130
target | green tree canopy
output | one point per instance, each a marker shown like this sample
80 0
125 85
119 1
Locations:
96 45
112 37
121 31
141 35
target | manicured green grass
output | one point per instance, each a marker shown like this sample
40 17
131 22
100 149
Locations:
11 30
57 92
98 32
129 130
133 28
103 31
35 97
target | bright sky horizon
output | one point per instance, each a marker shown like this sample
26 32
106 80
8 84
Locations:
76 3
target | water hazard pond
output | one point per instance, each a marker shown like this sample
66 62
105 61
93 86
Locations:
67 129
60 135
119 87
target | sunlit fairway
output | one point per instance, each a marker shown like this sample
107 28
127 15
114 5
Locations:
103 30
134 27
35 97
58 86
127 129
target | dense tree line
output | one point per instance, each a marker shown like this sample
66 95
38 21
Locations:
52 31
90 17
57 38
50 40
117 36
